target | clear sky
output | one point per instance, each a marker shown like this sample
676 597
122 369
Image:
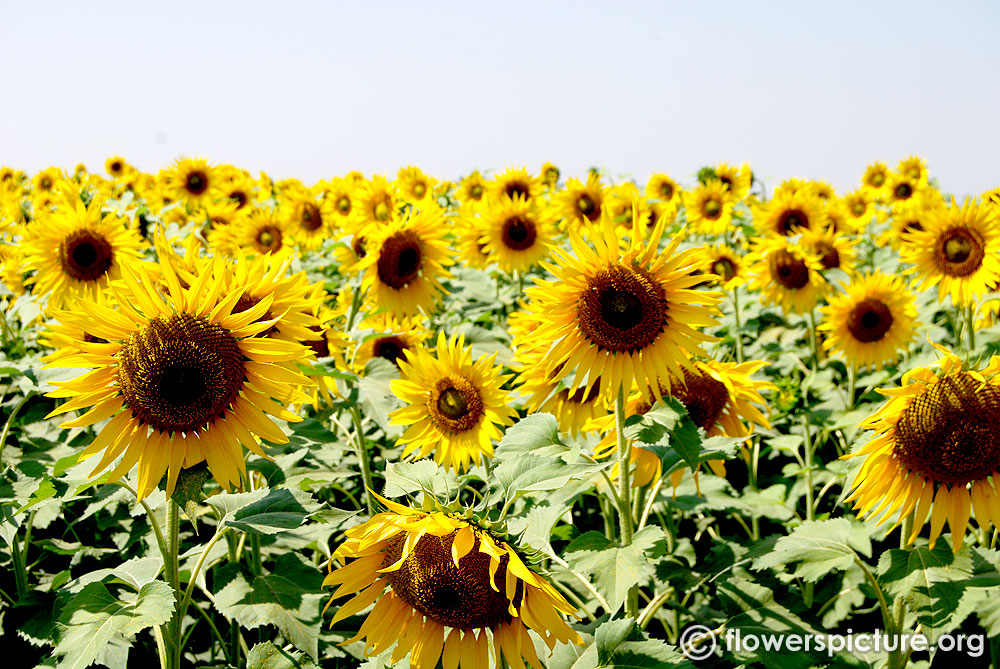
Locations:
313 90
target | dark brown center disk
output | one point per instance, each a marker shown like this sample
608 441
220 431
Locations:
704 397
519 233
788 269
390 348
85 255
196 182
178 374
452 596
960 251
455 404
869 320
516 189
269 238
791 219
622 309
724 268
829 257
951 432
399 259
312 219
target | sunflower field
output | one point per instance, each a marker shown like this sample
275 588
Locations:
511 420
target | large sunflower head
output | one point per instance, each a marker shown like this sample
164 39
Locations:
787 274
622 313
181 377
935 451
455 405
959 252
871 322
405 261
709 207
449 581
75 251
515 234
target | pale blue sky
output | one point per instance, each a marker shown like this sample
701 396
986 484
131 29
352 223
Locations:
314 90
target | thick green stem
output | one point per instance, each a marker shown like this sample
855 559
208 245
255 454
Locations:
366 471
10 420
186 600
899 658
813 339
625 494
171 569
752 476
970 327
807 588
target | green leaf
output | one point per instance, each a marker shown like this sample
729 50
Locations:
615 568
187 493
538 434
275 511
268 656
94 618
287 598
819 547
525 472
667 423
404 478
620 643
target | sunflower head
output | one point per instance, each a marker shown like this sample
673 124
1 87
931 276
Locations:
935 450
786 273
709 207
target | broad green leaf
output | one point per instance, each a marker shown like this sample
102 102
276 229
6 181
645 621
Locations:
268 656
270 513
525 472
535 527
616 568
404 478
667 424
819 547
94 618
537 433
620 643
288 598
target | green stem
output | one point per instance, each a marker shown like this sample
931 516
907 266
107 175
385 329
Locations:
852 379
366 471
625 494
736 315
10 421
970 327
807 588
186 601
171 569
752 475
898 659
813 339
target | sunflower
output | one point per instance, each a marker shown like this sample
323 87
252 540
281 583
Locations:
48 180
709 208
444 571
392 339
858 207
663 189
914 169
414 186
872 322
115 166
339 194
75 252
835 250
618 205
405 261
468 236
192 181
514 182
471 190
238 187
550 175
874 179
726 264
259 233
789 213
516 235
374 202
181 378
735 179
581 204
787 274
900 188
455 406
309 217
912 216
934 450
959 252
616 317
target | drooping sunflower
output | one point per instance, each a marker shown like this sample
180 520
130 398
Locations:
581 204
514 182
74 252
515 234
405 262
709 208
789 213
935 450
180 376
786 274
616 316
192 181
455 406
449 581
871 322
959 252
